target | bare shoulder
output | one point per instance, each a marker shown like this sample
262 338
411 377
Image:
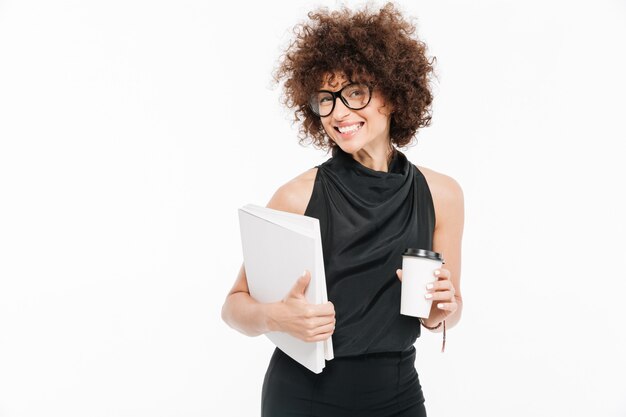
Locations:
447 194
294 195
441 184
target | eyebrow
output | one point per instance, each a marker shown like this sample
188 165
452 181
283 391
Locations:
343 84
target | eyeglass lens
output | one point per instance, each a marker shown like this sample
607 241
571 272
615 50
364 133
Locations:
355 97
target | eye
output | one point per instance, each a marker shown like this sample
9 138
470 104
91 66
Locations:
355 91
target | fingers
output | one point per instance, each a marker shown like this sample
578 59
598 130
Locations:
452 307
319 310
317 323
439 295
325 309
319 337
442 290
321 332
327 327
315 315
299 288
443 283
320 323
442 273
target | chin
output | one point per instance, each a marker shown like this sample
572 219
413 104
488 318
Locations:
349 147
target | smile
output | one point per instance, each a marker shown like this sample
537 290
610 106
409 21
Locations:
349 129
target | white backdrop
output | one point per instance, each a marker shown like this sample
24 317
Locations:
131 131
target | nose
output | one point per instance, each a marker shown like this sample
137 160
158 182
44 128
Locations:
341 110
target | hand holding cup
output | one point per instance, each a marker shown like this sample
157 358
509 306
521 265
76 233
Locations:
441 292
425 281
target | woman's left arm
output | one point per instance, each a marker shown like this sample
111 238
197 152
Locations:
449 217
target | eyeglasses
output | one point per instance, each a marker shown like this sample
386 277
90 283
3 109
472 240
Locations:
355 96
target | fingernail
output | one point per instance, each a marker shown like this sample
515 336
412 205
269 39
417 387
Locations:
428 295
429 286
440 305
304 272
397 270
437 272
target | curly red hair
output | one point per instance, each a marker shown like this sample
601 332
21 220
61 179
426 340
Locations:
369 47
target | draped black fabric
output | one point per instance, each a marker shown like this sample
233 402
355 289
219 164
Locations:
367 219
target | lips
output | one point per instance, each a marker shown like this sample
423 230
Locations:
348 129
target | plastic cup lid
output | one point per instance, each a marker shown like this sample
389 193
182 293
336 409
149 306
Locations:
423 253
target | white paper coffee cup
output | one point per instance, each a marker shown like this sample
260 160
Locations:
418 266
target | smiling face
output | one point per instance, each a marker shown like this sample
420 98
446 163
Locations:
354 130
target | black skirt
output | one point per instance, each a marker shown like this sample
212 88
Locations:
369 385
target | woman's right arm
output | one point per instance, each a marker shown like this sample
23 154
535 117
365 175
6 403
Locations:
293 314
243 313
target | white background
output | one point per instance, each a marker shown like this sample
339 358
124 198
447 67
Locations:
131 131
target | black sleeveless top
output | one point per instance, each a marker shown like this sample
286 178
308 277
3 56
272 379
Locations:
367 219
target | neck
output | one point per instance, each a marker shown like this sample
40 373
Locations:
376 158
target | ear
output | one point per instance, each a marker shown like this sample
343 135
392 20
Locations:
387 109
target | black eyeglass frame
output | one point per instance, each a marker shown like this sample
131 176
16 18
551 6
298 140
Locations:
337 94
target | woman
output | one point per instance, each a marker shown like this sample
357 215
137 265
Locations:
359 83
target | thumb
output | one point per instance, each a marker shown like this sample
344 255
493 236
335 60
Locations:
301 284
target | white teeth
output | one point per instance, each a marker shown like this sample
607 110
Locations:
351 128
